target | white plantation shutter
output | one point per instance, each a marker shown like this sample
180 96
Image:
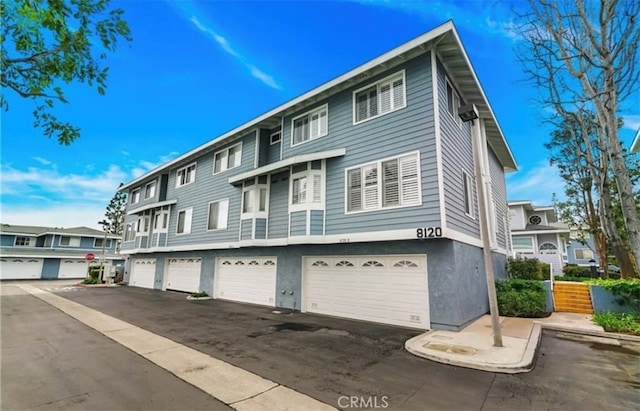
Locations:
370 186
398 93
317 188
385 98
390 184
314 125
213 216
409 180
187 221
323 123
223 214
354 202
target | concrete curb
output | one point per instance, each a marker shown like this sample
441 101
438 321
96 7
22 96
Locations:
584 331
524 365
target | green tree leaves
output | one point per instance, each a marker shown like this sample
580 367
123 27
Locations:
49 43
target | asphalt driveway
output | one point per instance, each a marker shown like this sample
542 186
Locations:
330 358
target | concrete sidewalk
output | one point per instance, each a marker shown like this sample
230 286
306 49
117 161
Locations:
238 388
473 347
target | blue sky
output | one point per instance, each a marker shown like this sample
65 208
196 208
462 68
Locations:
199 68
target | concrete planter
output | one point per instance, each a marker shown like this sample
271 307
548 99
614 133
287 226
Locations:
603 300
198 298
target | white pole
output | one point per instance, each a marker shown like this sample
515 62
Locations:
478 142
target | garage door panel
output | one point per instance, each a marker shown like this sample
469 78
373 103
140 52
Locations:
73 269
20 268
183 274
387 289
143 272
247 279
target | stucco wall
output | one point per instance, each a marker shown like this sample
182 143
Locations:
603 300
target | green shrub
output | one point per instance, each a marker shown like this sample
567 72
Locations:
627 323
521 298
527 269
91 280
574 270
626 291
199 294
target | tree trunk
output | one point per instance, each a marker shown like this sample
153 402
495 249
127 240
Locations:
621 252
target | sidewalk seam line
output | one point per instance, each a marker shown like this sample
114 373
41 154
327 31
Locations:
257 395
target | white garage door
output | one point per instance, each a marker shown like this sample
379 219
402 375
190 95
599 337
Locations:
249 280
73 269
384 289
143 272
183 274
19 268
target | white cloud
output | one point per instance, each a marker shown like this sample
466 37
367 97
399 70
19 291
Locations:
42 161
537 184
632 122
226 46
67 215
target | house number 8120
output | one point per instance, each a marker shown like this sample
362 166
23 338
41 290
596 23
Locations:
429 232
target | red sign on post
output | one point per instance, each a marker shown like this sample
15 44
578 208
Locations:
90 256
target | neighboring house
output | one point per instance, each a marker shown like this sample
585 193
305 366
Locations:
581 249
29 252
536 233
635 145
356 199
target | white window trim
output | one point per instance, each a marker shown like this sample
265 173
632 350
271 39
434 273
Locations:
582 250
31 241
222 170
309 174
522 250
129 227
152 183
271 142
380 199
454 90
141 223
187 211
102 239
158 217
71 237
320 109
256 201
135 193
226 223
377 84
467 177
195 169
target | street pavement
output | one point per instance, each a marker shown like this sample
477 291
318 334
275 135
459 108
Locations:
338 361
52 362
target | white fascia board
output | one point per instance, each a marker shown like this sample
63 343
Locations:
150 206
536 232
112 236
303 158
416 42
635 146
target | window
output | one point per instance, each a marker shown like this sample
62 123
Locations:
218 215
70 241
453 102
255 197
389 183
275 137
383 97
129 233
97 243
467 192
186 175
184 221
23 241
522 243
142 226
535 220
161 221
310 125
150 190
307 191
583 254
228 158
135 196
